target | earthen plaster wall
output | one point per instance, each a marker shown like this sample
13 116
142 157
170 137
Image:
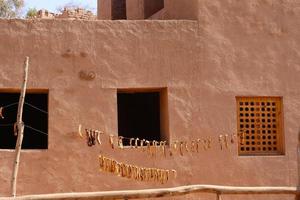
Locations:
178 9
235 48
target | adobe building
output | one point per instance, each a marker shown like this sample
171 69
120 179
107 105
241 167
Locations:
172 70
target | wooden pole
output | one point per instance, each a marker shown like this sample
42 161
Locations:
162 192
218 196
298 157
19 129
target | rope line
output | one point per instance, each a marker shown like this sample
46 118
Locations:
32 106
38 131
36 108
9 105
16 103
3 125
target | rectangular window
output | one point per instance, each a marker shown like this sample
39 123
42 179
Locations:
260 125
142 114
118 9
35 118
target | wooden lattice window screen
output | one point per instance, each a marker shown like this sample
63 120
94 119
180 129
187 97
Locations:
260 125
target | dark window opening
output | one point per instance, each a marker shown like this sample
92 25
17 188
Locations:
35 118
118 9
139 115
152 6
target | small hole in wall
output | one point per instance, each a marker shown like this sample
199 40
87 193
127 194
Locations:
87 75
83 54
67 54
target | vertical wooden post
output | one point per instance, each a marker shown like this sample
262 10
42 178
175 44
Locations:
298 157
218 196
19 129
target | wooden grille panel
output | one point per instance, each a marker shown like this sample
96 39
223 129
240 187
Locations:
260 125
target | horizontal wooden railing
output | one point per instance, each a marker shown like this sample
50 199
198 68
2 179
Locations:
162 192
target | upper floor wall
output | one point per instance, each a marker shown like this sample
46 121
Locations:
148 9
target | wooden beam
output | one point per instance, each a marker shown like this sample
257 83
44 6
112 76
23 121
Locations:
162 192
19 129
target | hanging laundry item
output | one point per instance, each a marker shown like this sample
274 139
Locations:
135 172
92 136
1 113
155 148
111 141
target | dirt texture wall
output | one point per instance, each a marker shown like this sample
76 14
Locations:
182 9
251 48
235 48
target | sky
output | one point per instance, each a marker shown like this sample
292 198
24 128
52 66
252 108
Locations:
53 5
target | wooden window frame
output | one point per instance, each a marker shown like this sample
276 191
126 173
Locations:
261 131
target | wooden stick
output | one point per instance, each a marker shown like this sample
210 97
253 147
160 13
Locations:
20 129
163 192
298 157
218 196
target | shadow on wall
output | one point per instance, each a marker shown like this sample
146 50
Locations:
152 6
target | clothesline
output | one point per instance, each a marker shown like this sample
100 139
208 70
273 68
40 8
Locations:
43 111
224 140
4 125
26 103
9 105
132 139
36 130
